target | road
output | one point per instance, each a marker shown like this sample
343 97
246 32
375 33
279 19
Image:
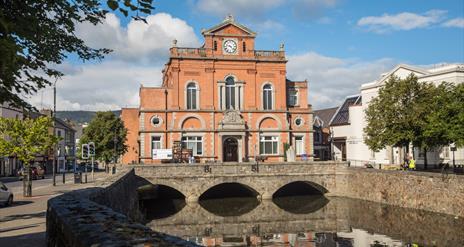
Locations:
23 223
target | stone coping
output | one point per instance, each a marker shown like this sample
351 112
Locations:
330 162
74 219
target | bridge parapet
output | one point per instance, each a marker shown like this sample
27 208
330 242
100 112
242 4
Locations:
236 169
192 180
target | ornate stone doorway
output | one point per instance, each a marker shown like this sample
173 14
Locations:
230 150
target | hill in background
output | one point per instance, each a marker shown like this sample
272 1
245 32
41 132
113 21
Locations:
80 116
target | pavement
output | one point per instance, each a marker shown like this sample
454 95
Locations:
23 223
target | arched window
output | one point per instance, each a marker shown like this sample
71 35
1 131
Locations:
191 96
215 45
267 97
244 46
230 93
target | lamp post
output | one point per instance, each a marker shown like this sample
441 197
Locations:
54 130
332 153
453 149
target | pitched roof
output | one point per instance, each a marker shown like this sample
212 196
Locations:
229 20
342 117
324 116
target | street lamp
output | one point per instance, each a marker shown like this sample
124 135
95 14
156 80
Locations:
54 132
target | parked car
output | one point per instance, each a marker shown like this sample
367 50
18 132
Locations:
6 196
37 172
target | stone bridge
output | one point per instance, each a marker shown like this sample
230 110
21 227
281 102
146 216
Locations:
263 179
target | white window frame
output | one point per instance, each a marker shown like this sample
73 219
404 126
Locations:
160 143
228 88
268 92
195 151
274 138
197 95
296 96
302 151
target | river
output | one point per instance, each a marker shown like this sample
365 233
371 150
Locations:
311 220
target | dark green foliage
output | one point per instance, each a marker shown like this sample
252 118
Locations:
104 129
35 35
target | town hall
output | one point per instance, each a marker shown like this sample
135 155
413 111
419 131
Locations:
225 101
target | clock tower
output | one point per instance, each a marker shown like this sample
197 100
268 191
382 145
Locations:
230 38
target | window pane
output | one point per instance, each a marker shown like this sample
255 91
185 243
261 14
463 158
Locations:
274 147
194 99
199 148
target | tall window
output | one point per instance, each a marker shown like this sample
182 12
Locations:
268 145
215 45
230 93
193 142
155 143
292 97
299 145
267 97
317 135
244 46
191 96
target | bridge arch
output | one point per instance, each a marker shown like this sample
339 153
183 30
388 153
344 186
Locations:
299 187
226 189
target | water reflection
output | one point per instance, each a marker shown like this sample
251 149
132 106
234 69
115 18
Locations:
301 204
307 221
230 206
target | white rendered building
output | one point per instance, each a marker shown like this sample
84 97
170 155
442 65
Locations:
348 123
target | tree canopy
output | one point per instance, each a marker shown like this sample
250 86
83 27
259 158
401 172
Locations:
408 111
36 35
106 131
25 139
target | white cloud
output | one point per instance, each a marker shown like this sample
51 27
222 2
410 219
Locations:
401 21
331 79
456 22
140 50
139 42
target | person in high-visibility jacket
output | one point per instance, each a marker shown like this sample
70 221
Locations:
412 164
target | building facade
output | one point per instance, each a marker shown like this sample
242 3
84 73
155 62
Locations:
225 101
322 138
349 121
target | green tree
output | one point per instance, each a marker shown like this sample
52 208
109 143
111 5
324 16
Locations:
445 121
25 139
407 111
397 116
35 35
109 135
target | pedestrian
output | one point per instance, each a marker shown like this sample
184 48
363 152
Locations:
412 163
405 163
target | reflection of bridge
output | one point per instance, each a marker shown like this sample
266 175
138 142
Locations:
339 215
263 179
267 217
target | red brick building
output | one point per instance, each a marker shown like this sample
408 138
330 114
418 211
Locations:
225 100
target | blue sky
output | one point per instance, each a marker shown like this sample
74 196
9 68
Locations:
336 44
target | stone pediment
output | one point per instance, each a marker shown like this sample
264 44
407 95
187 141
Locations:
233 120
229 26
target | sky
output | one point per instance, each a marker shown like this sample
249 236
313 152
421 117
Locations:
336 45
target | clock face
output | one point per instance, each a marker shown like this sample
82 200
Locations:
230 46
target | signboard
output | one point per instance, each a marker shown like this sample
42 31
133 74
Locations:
162 154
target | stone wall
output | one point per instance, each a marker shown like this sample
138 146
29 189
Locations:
418 190
75 219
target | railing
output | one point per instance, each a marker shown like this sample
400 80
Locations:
271 54
206 52
189 52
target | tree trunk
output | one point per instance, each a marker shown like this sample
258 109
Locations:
27 181
425 158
